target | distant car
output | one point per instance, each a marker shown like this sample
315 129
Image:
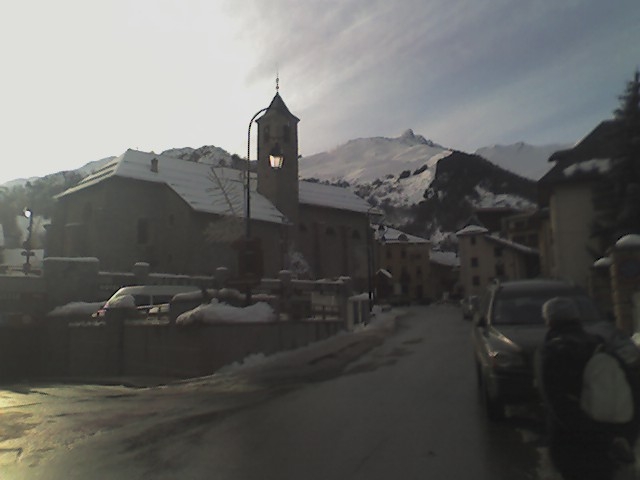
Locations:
469 305
144 297
508 329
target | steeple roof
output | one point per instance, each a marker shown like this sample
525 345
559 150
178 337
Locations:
278 105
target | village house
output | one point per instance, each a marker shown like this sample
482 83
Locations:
485 257
407 269
190 218
566 191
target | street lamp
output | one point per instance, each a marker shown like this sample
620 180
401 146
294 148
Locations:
373 215
26 267
250 251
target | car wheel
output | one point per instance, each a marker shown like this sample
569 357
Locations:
494 407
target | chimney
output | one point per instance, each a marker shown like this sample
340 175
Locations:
154 165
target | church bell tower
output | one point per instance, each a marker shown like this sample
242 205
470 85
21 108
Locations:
278 141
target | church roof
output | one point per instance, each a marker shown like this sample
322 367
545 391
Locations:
215 190
330 196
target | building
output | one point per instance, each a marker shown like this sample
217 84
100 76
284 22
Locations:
485 257
189 218
567 191
405 259
407 269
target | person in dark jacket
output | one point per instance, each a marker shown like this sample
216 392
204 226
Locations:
579 446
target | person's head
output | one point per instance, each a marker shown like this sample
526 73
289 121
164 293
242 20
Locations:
559 311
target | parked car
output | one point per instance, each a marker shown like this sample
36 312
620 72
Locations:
144 297
508 328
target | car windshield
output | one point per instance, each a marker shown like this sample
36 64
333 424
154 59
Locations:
527 309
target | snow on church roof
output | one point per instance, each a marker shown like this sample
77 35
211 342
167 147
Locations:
216 190
330 196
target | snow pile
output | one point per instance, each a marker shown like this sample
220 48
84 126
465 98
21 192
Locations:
216 312
76 308
333 352
596 165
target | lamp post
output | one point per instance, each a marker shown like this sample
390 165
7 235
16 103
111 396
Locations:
249 248
373 214
26 267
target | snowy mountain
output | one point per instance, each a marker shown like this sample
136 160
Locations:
398 171
522 159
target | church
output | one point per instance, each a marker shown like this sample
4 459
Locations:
189 218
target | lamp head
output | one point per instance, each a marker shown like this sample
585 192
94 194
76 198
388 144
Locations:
276 157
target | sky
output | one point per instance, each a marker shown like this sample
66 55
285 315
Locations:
83 80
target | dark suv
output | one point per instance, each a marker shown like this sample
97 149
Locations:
508 329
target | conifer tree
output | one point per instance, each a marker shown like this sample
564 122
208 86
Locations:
625 171
617 195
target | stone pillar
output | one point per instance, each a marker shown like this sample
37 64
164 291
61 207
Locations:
625 281
600 284
221 276
346 290
285 294
141 272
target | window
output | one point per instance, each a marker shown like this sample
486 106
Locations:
171 219
497 251
475 280
473 240
389 253
286 133
267 133
474 262
143 231
418 270
499 271
355 235
403 253
302 228
330 231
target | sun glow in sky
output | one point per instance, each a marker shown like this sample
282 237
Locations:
86 80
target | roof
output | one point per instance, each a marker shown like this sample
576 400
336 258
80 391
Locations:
472 230
512 245
589 158
391 235
206 189
278 105
330 196
216 190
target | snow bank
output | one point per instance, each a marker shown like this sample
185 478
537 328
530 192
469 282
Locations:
216 312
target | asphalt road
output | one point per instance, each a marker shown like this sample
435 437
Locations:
407 409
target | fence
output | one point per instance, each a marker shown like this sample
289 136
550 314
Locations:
118 345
